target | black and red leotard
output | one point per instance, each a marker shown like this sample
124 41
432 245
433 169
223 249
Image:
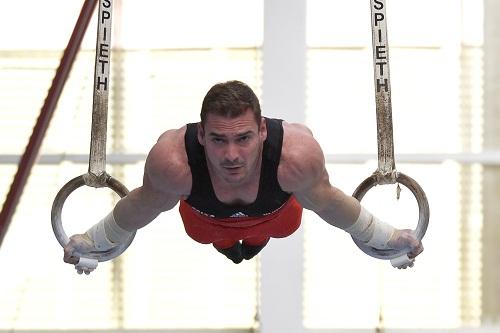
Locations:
274 213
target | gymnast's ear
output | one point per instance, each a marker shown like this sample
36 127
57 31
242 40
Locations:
201 134
263 129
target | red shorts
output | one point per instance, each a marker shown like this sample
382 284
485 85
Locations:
204 229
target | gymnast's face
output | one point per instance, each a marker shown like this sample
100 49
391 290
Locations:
233 146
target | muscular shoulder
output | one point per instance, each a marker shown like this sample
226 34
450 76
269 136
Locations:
167 163
302 161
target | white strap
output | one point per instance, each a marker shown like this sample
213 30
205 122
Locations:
114 232
107 233
402 262
97 234
370 230
86 265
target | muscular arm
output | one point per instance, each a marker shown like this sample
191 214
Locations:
330 203
166 179
302 171
143 205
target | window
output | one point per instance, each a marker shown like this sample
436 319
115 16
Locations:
162 65
436 86
166 55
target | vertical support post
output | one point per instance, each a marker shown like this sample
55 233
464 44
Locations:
491 180
283 96
284 60
471 66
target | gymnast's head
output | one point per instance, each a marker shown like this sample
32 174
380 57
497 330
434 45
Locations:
232 131
230 99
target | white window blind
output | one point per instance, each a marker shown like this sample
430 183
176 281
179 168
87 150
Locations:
168 53
344 287
165 280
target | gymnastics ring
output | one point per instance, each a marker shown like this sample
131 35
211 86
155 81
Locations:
423 215
62 195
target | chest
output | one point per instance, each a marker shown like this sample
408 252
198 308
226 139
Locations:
237 194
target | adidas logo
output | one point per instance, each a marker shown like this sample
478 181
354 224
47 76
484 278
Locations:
239 214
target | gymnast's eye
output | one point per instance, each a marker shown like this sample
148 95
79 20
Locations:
217 140
244 138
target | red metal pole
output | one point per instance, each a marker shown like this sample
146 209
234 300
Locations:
31 152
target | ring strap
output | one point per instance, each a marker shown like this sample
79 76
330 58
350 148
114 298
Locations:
97 159
380 46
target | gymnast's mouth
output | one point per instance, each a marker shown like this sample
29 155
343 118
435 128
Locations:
233 168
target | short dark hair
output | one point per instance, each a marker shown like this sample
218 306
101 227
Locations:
230 99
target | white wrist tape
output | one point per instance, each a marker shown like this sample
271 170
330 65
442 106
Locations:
86 264
107 233
371 230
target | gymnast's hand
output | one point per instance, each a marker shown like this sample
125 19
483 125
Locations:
101 237
382 236
403 239
78 246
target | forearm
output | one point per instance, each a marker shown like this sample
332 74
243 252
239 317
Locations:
348 214
339 209
138 209
132 212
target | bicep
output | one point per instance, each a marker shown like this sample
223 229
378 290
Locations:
156 194
303 172
142 205
314 196
166 175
